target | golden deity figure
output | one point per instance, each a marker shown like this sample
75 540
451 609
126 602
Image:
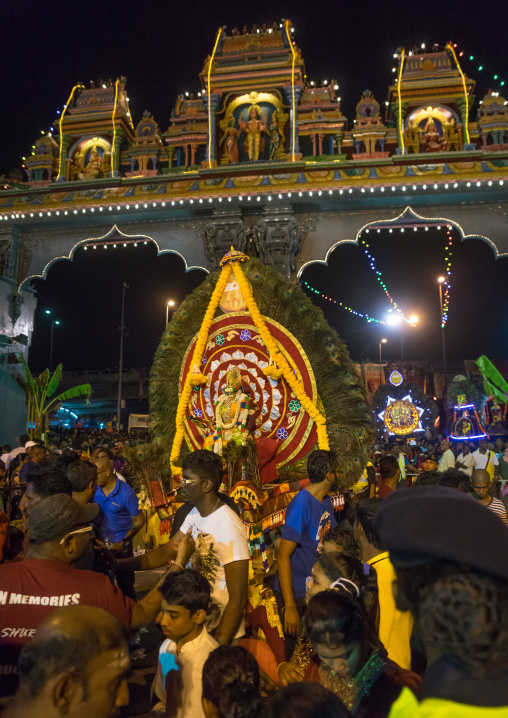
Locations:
432 140
231 414
93 167
253 129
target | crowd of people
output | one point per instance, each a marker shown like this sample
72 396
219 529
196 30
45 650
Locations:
393 605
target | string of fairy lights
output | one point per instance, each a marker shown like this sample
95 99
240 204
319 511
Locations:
411 320
380 279
341 304
446 283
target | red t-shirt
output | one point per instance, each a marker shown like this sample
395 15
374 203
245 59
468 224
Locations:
384 491
31 589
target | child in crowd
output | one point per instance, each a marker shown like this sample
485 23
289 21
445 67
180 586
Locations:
349 659
184 605
231 684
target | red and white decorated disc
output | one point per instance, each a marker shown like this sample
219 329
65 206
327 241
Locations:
234 340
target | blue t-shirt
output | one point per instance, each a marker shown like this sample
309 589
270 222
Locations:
307 523
117 509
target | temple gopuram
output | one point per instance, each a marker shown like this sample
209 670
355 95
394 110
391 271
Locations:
258 159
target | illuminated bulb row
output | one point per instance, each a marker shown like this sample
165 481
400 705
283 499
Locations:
258 198
344 306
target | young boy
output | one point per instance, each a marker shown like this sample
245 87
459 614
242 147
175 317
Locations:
185 601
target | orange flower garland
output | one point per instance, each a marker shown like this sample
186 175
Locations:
296 386
194 377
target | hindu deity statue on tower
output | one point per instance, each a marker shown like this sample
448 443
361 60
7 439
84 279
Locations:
93 167
230 139
275 138
432 141
253 129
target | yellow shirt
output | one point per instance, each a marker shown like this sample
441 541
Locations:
394 626
407 706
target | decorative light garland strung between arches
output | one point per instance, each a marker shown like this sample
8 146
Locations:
379 278
341 304
446 283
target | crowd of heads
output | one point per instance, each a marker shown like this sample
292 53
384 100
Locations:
451 576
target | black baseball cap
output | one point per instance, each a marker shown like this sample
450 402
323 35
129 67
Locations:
427 524
55 516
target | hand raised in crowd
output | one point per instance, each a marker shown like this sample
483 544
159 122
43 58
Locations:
291 621
289 673
185 549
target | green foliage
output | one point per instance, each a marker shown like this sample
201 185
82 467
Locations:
44 386
493 381
340 388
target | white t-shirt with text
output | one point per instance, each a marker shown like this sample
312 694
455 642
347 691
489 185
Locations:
221 538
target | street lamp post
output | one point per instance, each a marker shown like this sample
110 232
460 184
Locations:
381 341
440 281
169 304
120 362
53 322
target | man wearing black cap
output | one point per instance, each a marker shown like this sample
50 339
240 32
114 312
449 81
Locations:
59 531
449 556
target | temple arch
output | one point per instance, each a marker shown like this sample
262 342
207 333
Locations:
55 248
468 221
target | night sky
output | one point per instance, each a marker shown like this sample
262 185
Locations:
160 47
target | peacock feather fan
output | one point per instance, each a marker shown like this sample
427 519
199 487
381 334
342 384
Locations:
340 388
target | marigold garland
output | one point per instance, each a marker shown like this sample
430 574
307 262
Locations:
296 386
194 377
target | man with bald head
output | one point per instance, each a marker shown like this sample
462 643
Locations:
119 520
76 665
481 481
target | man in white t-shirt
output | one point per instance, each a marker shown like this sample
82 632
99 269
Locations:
465 461
222 549
485 458
447 459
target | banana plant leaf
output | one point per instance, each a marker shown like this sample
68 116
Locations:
55 380
42 381
493 380
81 390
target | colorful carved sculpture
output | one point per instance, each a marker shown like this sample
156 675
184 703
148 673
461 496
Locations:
253 129
431 140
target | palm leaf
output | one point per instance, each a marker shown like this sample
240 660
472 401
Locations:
55 380
493 380
81 390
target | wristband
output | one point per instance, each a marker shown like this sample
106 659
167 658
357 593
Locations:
175 563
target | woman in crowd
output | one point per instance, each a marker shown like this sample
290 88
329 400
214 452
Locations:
231 684
348 657
343 573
